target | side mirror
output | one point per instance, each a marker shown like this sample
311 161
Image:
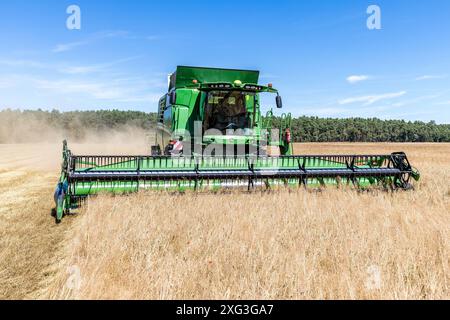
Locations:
279 102
173 97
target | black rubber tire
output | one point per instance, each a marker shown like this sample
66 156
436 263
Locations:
408 187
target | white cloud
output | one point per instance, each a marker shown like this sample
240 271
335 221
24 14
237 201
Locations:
94 68
4 83
415 100
69 46
368 100
431 77
81 69
114 91
376 111
357 78
64 67
95 37
93 89
63 47
22 63
327 111
69 93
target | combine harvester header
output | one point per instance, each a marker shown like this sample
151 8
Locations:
211 135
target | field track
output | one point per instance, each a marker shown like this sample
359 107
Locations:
29 239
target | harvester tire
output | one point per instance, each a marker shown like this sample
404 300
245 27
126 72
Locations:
408 187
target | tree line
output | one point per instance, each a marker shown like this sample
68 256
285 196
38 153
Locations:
314 129
304 129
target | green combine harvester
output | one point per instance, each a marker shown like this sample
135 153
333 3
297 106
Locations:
211 135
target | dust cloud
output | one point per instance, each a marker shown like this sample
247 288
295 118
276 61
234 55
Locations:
33 143
19 129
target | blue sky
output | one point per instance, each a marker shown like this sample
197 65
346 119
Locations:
319 54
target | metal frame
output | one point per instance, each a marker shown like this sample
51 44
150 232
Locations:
131 173
89 168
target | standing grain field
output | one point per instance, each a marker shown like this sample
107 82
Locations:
331 244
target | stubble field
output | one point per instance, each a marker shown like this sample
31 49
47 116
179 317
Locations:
289 244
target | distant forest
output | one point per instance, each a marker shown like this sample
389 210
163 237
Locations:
305 129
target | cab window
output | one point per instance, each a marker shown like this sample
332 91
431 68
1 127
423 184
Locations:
226 110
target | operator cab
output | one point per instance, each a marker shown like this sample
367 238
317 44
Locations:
227 110
222 103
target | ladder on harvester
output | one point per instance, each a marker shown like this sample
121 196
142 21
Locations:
282 138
